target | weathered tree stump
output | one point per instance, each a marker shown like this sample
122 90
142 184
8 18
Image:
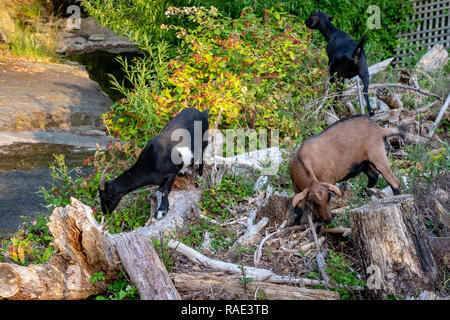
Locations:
391 238
84 248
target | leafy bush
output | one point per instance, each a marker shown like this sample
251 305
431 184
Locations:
31 244
262 71
140 19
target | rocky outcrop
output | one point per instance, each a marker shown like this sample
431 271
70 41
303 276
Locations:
35 95
90 37
7 24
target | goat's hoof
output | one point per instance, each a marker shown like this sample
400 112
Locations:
160 214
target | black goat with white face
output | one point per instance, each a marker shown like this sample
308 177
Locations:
180 144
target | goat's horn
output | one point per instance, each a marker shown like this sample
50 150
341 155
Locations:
333 188
102 179
299 197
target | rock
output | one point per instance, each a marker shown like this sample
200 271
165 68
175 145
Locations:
35 95
260 183
79 40
433 60
97 37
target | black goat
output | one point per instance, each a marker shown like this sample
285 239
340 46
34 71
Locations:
346 57
172 151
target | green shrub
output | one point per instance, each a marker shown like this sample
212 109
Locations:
262 71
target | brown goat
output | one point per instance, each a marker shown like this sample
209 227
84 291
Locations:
352 145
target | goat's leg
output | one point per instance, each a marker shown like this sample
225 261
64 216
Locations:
372 174
380 161
365 78
163 207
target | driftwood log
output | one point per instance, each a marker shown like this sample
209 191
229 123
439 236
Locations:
84 248
391 239
433 60
220 285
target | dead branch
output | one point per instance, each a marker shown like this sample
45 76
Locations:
338 230
232 284
319 255
257 274
441 114
252 229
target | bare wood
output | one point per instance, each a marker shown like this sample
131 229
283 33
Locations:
55 280
252 231
144 267
424 109
391 99
258 252
391 239
252 272
210 283
433 60
319 255
392 116
380 66
338 230
441 114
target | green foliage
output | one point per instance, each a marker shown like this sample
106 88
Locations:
422 164
262 71
218 200
121 289
342 275
31 244
98 276
140 19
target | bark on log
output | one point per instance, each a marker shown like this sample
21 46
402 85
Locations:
84 248
146 271
215 285
391 99
433 60
391 239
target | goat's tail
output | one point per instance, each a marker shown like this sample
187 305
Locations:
394 131
359 49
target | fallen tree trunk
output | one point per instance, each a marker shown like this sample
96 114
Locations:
225 286
85 248
391 239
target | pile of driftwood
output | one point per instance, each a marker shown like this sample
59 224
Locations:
389 236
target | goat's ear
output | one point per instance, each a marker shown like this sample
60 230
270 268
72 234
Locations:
333 188
299 197
314 20
329 17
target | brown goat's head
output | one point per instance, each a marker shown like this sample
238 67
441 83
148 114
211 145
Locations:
318 196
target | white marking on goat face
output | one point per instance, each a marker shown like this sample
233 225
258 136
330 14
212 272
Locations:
186 157
160 214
